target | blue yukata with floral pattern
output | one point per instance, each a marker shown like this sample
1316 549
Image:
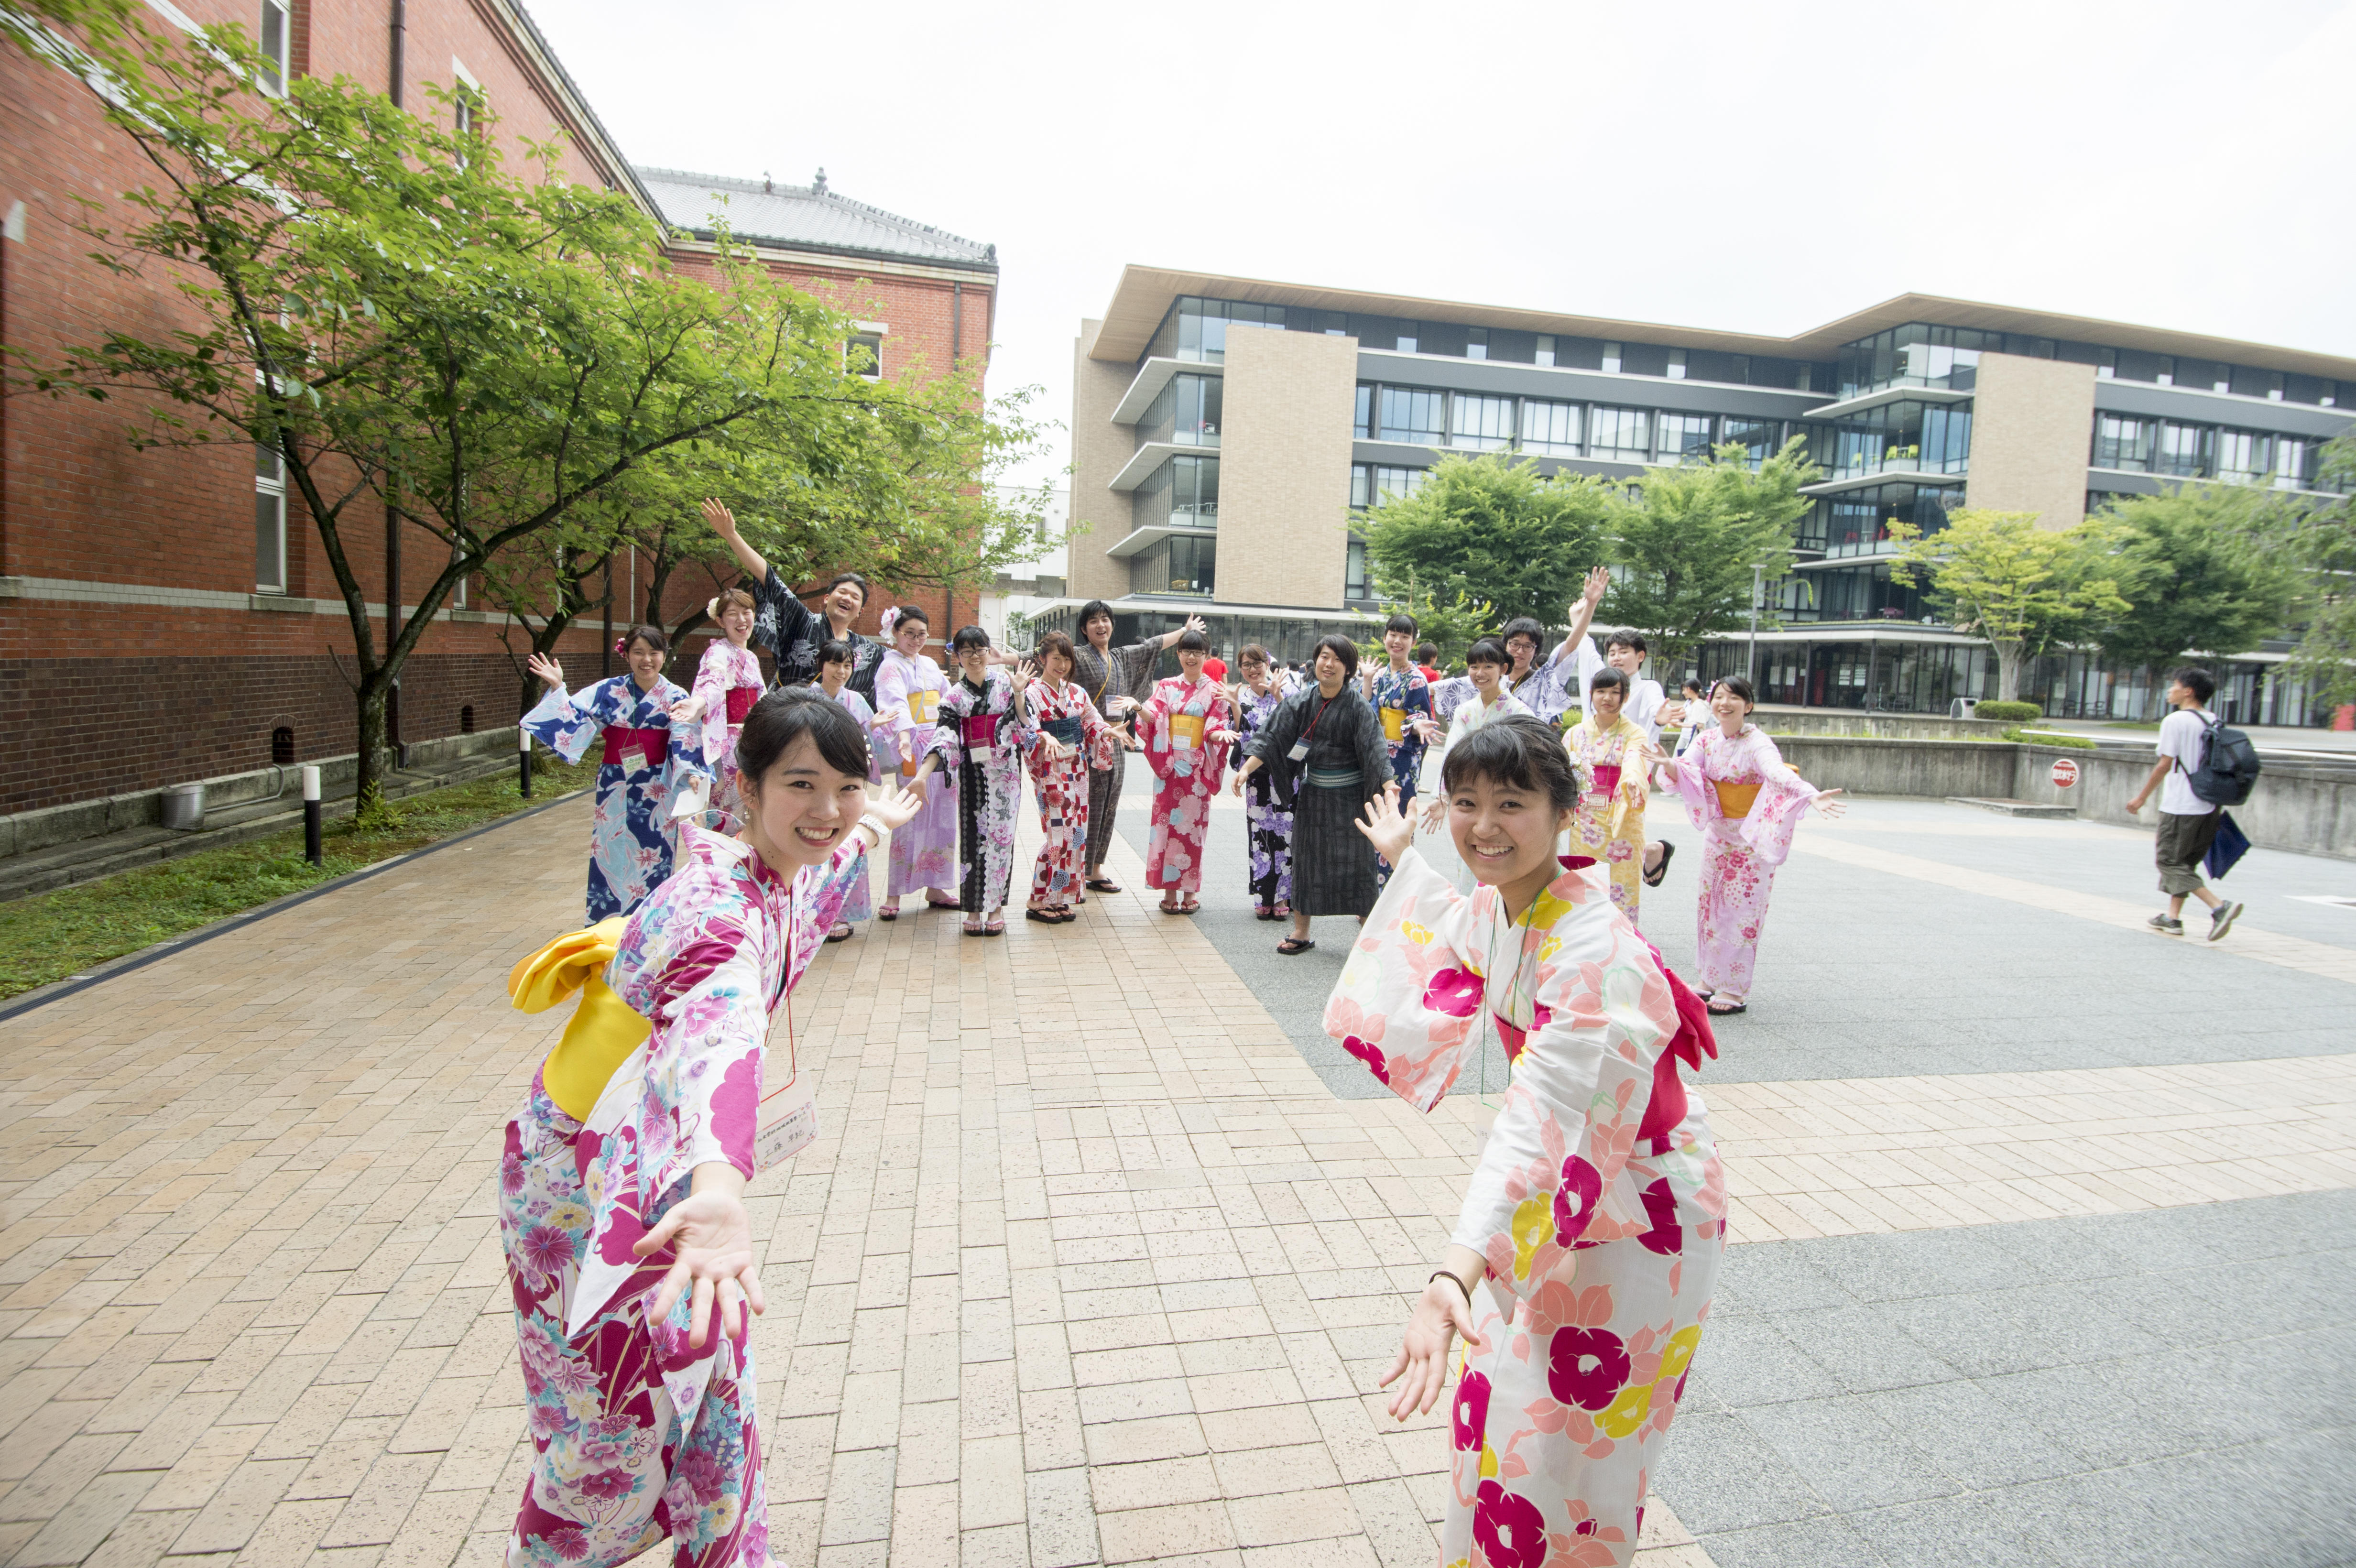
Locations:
638 1435
629 842
1407 695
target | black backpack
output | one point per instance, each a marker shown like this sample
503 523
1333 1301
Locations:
2229 770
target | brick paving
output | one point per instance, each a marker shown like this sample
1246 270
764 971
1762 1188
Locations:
1088 1266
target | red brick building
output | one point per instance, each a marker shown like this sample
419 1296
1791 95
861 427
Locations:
151 629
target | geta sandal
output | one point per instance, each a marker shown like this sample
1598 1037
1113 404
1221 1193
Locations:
842 931
1653 878
1103 885
1295 944
1726 1012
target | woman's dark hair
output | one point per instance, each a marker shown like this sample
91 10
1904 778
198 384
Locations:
1252 653
1194 642
1693 684
1523 627
835 651
850 577
1057 643
907 613
784 717
1342 648
1488 650
652 636
1518 751
969 637
1625 638
1617 680
734 599
1402 622
1737 685
1090 611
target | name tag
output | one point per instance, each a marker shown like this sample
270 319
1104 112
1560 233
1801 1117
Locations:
1186 731
634 762
1300 752
788 1124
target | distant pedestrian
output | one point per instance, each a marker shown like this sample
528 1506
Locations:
2187 822
1697 714
1427 659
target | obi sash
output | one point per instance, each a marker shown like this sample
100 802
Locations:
1735 800
1333 778
605 1028
1607 778
740 703
980 729
1068 731
654 745
1394 725
923 706
1186 732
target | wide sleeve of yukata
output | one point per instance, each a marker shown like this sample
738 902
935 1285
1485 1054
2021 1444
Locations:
1405 1005
1135 664
819 893
1151 727
566 722
893 719
1018 732
947 739
779 617
1274 739
1373 753
713 674
710 1009
1783 798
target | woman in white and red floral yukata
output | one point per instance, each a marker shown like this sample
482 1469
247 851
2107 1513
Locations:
622 1210
1581 1268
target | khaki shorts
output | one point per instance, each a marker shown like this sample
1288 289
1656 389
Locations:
2177 851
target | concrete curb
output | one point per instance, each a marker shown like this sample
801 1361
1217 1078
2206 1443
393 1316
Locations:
56 990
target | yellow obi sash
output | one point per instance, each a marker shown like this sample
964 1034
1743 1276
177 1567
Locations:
924 704
1394 723
1186 732
605 1028
1735 800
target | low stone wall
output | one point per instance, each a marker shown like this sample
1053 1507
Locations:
2306 807
29 832
1881 726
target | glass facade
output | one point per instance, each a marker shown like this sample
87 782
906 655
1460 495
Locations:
1197 329
1549 429
1372 484
1923 438
1857 522
1182 493
1186 414
1682 438
1620 435
1482 424
1179 564
2175 449
1412 414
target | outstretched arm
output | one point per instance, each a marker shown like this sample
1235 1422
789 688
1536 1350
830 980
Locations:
723 523
1582 615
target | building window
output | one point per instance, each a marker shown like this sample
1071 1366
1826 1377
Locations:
1476 344
2106 364
1331 322
1677 364
269 521
1182 493
2122 443
275 47
1759 439
1362 423
1611 358
2274 387
1406 341
1484 424
2241 455
863 356
1372 484
282 745
1412 414
1549 429
1683 438
1546 349
1176 565
2165 375
1354 573
2295 463
1197 329
2184 451
1619 435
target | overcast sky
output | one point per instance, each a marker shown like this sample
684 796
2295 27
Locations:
1753 167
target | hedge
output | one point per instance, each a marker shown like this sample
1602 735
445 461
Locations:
2013 713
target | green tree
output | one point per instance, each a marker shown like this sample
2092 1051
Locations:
371 295
2021 587
2317 539
2195 574
1490 529
1684 540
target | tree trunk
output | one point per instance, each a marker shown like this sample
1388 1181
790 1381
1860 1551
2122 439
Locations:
2009 663
370 777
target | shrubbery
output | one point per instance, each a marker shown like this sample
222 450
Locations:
2012 713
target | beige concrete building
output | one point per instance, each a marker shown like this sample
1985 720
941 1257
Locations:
1231 434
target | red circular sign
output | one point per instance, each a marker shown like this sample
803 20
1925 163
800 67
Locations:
2065 772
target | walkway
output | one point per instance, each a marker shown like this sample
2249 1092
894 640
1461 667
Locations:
1092 1266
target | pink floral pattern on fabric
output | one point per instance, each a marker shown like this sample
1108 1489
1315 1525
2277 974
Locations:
1185 776
1739 858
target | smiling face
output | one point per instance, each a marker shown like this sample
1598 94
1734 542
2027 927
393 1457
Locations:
1603 706
1485 677
1397 644
832 676
1727 705
1330 673
798 813
646 663
843 604
1255 673
1190 660
909 635
1523 649
1056 667
1505 833
1099 630
975 663
736 621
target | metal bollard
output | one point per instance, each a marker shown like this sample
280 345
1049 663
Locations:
311 850
523 758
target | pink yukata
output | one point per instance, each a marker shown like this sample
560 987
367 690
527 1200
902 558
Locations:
1064 714
1738 856
639 1437
729 681
1599 1203
1184 726
907 700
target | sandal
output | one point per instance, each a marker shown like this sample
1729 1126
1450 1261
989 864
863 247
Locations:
1284 911
1043 916
1261 911
889 911
942 904
842 931
1292 944
1103 885
1190 906
1726 1011
995 928
1653 878
1170 906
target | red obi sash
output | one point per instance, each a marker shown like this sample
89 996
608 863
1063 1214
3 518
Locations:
740 703
980 729
1607 777
652 744
1693 1040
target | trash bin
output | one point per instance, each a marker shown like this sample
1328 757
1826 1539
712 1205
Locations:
1962 707
183 806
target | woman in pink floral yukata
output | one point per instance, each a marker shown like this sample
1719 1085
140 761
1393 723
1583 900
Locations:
1184 728
1581 1268
622 1208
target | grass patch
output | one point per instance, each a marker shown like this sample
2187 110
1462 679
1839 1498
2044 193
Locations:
2050 738
50 936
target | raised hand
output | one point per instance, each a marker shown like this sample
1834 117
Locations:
897 806
1195 623
550 673
722 520
1599 582
1435 814
1024 674
1826 805
714 1257
1390 833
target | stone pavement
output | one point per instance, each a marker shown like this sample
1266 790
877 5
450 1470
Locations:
1090 1265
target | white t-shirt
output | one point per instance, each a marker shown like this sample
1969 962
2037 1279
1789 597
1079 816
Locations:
1645 698
2184 737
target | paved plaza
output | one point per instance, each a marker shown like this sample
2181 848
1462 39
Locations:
2042 1230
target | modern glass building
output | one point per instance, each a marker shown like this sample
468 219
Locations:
1230 434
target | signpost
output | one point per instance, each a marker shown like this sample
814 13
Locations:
2065 772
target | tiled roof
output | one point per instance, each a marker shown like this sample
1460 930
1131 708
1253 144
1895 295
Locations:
806 218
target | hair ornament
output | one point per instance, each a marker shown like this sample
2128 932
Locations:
891 618
622 645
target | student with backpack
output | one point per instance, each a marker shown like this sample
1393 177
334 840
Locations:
2203 767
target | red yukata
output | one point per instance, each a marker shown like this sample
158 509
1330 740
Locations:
1184 726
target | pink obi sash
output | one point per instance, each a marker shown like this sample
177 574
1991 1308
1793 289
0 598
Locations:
981 729
1607 777
740 703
